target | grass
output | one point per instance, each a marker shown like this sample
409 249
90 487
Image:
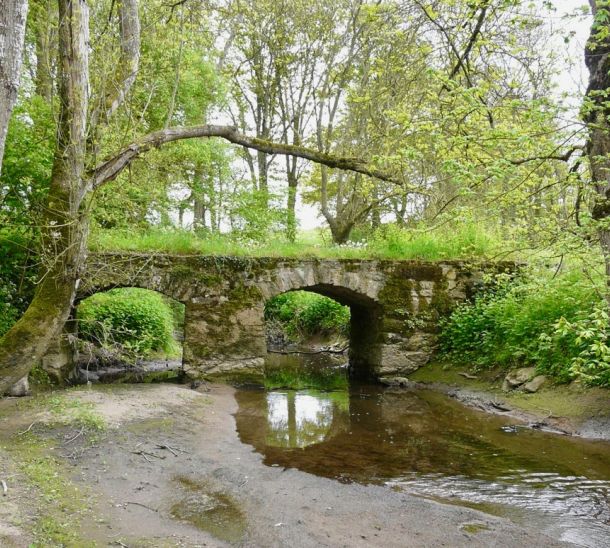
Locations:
464 241
298 379
63 505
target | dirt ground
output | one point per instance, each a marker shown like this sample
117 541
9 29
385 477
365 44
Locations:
162 465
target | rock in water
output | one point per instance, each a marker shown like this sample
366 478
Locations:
403 382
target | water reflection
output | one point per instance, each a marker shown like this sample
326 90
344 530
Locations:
299 419
427 444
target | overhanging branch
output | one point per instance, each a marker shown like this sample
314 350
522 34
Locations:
110 169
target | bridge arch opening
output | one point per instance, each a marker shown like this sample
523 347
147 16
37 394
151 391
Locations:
347 334
128 333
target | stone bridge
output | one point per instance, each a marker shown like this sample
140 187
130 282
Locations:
395 305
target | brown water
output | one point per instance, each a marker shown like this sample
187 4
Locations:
425 443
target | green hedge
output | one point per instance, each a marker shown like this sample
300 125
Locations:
140 321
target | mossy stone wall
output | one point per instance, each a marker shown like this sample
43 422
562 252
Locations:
395 305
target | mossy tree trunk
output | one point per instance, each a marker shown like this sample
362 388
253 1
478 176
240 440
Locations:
597 116
65 224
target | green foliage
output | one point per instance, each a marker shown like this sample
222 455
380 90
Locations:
138 320
557 324
303 314
17 278
458 241
26 167
585 341
298 379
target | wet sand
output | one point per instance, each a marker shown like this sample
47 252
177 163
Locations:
170 455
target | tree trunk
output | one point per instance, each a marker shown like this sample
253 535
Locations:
43 14
597 113
198 212
291 217
65 226
13 14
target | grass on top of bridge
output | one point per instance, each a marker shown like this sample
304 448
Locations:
466 241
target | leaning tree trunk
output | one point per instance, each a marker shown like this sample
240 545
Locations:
13 15
597 117
65 226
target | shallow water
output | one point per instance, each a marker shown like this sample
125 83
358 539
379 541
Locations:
427 444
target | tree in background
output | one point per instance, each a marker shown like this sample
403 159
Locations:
12 31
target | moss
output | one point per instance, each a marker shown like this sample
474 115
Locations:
441 302
474 528
62 505
396 296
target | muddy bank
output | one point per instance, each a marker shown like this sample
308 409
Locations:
161 465
564 409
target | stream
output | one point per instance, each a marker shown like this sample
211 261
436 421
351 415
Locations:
424 443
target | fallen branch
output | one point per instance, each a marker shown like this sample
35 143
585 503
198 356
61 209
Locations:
26 431
467 375
146 454
171 449
143 506
307 352
78 434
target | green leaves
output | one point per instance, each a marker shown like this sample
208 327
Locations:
138 320
304 314
556 324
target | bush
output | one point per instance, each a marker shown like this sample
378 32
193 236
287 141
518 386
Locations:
17 277
138 320
558 325
304 314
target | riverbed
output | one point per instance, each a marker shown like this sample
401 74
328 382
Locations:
219 467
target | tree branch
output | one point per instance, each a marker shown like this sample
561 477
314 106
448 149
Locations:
110 169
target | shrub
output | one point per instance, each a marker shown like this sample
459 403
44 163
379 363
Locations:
17 277
558 325
138 320
304 314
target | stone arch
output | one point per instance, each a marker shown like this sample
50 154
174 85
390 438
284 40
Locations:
356 287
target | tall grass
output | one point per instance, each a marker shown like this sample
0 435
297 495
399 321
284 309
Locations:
460 241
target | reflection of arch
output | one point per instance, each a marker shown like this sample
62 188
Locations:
365 320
